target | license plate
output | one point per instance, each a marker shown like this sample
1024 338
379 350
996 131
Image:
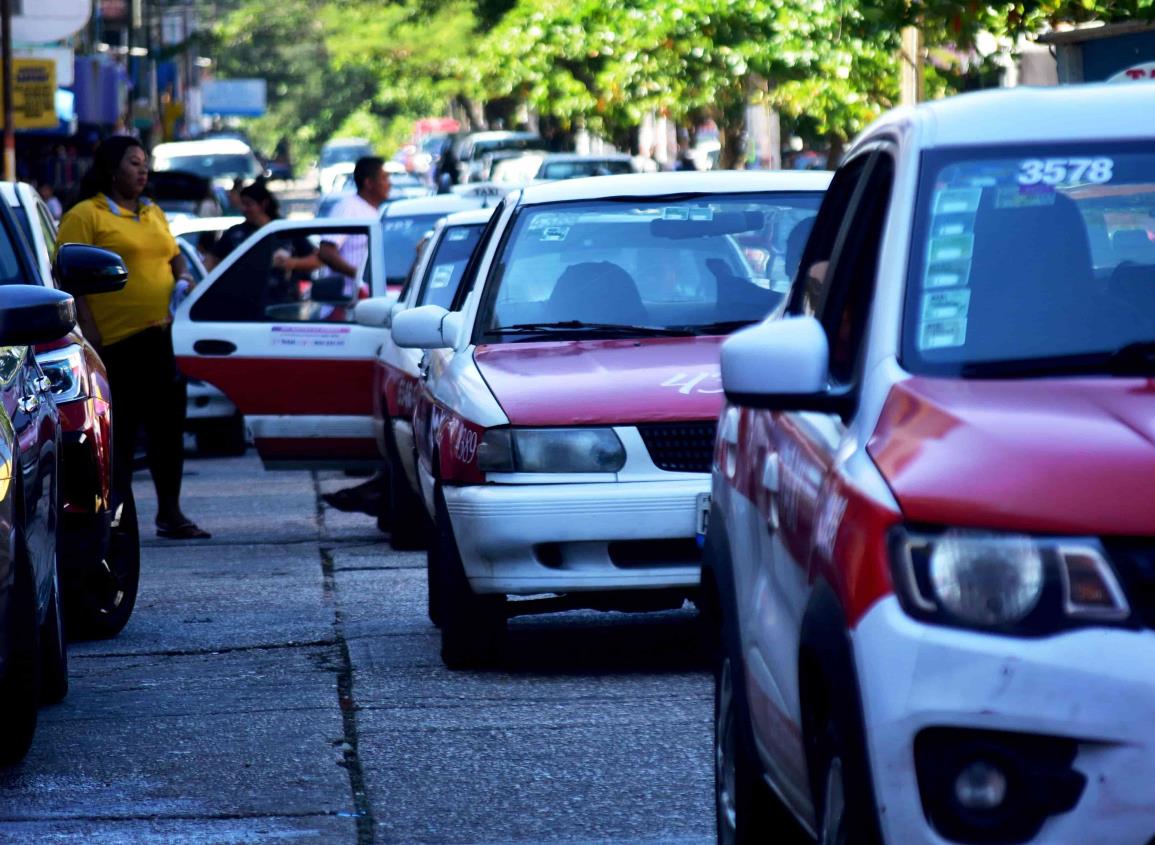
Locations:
702 508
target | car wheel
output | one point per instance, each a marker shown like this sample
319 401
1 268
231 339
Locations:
746 810
221 437
838 770
20 685
472 625
103 602
53 649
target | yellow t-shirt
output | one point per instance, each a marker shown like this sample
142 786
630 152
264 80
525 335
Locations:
145 244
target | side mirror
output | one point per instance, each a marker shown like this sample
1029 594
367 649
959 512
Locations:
781 364
330 290
30 314
81 270
376 312
425 327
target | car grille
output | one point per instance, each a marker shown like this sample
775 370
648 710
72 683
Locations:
680 446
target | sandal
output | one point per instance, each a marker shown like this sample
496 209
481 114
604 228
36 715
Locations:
182 531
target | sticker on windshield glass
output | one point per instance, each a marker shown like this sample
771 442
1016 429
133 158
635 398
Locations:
400 225
1066 171
554 233
702 213
957 201
1025 196
951 248
675 212
457 235
545 221
942 334
442 274
945 305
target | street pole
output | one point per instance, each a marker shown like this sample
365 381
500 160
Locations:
911 69
6 60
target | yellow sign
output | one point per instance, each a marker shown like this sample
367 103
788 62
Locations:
34 93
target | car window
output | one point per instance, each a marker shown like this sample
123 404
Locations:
256 288
402 235
699 264
214 166
12 270
447 265
1029 259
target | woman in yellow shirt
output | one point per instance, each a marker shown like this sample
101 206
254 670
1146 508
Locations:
131 327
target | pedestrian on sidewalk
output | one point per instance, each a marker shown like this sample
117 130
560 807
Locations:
131 328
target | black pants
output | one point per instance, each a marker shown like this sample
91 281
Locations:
149 391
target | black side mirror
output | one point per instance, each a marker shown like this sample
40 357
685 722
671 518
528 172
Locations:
30 314
330 290
82 270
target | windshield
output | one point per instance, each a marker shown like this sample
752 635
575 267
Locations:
212 166
401 237
344 153
699 265
447 265
1038 259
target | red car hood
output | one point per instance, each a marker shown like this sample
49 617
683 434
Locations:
604 381
1065 456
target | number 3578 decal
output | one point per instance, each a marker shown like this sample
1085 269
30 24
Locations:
1066 171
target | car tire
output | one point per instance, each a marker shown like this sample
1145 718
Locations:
53 649
20 685
100 606
472 625
404 519
746 810
225 437
836 759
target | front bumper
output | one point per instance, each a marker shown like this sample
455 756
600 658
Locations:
1095 686
561 538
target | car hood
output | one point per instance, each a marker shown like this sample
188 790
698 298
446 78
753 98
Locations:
1065 456
605 382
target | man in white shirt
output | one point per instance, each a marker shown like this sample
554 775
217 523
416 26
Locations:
347 253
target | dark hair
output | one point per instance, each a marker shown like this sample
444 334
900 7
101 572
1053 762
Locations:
106 159
258 193
365 169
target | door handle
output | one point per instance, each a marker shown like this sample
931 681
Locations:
214 347
772 483
29 404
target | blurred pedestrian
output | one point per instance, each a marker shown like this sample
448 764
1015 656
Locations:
347 253
132 327
47 193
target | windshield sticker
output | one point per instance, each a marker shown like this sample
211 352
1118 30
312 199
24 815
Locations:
958 201
404 224
951 248
545 221
554 233
442 273
1066 171
675 212
945 305
702 213
942 334
457 234
1025 196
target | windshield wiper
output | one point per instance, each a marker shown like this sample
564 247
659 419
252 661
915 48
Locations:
581 326
721 327
1133 359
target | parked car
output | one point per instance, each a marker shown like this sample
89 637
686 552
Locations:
575 166
434 280
566 420
931 532
469 149
99 547
221 160
337 159
183 195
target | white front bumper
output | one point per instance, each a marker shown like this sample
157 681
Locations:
1095 685
500 528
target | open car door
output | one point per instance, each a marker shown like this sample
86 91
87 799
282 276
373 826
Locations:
282 345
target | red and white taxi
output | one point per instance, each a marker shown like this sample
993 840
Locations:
568 409
933 531
434 281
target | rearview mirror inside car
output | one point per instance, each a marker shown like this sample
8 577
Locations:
82 270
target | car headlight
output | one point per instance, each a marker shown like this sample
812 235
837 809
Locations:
65 370
550 450
1010 583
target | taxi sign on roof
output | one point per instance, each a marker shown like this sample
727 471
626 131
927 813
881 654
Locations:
1144 72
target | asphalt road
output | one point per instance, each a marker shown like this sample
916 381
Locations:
281 682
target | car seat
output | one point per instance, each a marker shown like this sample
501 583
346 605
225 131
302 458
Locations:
596 292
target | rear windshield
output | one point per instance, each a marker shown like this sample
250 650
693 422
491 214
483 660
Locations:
447 265
1031 259
694 265
576 169
212 166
